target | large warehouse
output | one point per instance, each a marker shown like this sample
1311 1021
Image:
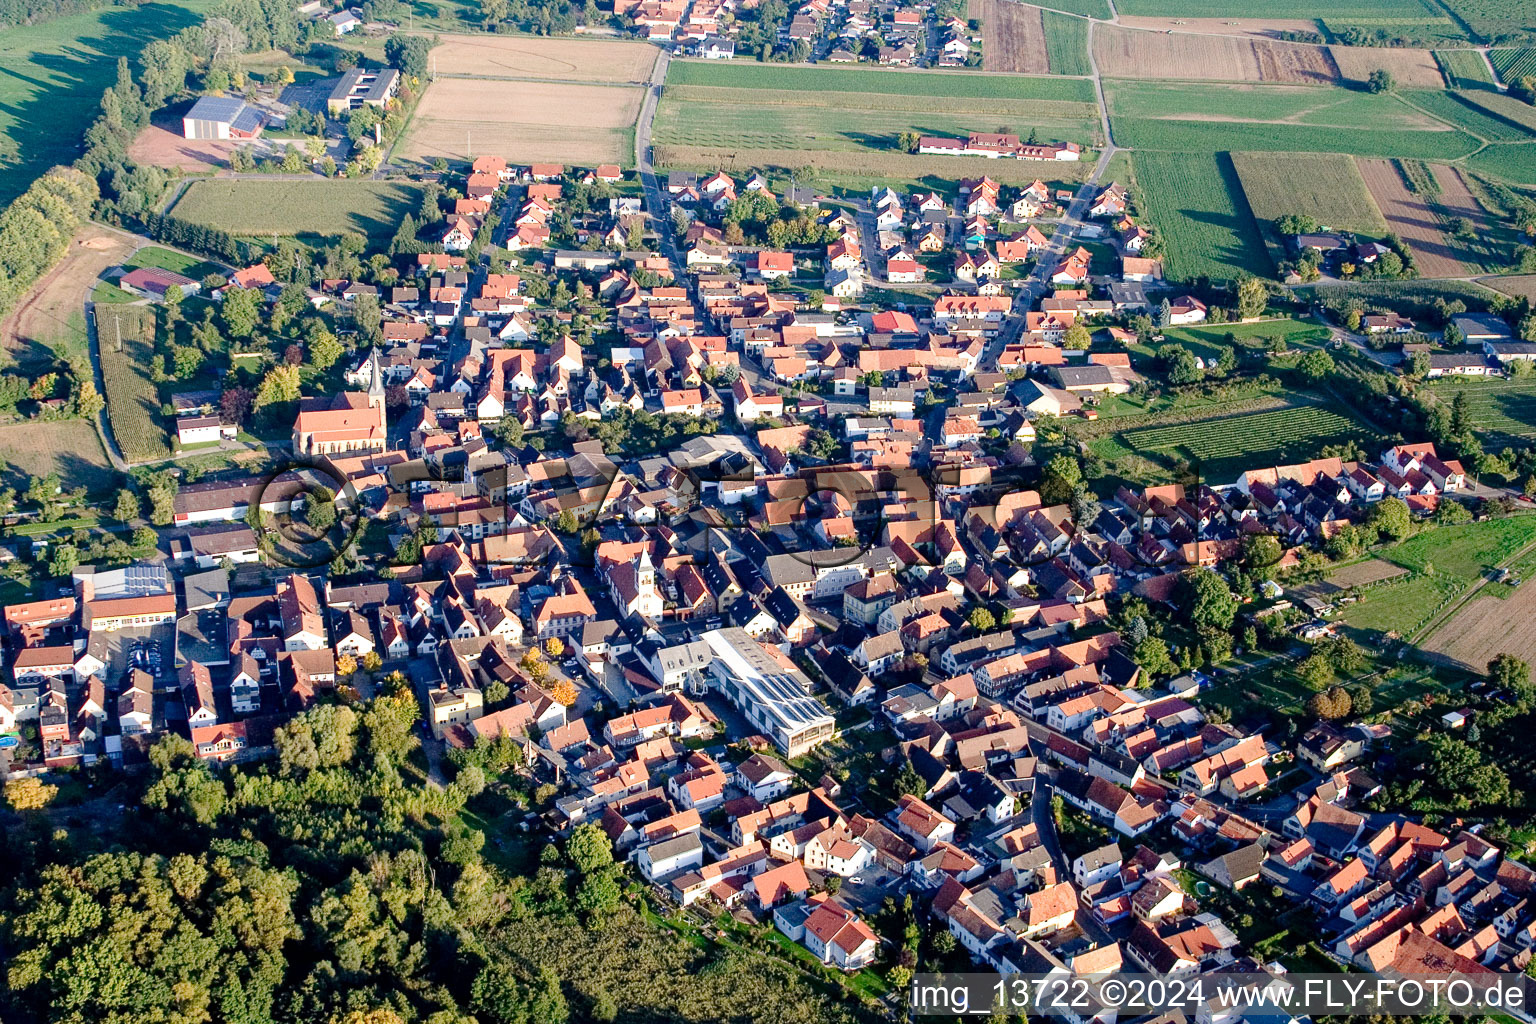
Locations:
221 117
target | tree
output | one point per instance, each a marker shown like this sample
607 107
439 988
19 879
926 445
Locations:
1381 80
982 620
1330 704
909 782
1261 550
1316 669
1252 297
589 848
240 311
1510 673
235 405
554 647
1153 658
1061 477
88 401
1164 313
1315 366
1077 337
162 498
319 516
1390 519
29 794
62 560
281 384
1085 506
128 507
564 692
1206 599
346 665
408 54
907 142
373 661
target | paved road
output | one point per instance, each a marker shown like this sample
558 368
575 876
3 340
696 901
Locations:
653 193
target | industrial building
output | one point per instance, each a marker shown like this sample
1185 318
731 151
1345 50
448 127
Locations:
769 689
221 117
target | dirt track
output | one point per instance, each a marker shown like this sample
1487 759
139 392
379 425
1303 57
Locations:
1411 219
41 320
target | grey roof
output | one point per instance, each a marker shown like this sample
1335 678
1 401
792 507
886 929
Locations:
207 589
1081 376
217 108
248 120
1107 854
1482 325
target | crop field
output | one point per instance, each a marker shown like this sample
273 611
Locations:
1372 570
599 61
1493 19
1220 449
1411 68
1412 219
1513 65
1066 44
460 118
69 448
1325 186
1196 201
1464 69
1503 105
1516 163
1348 9
1013 37
1208 117
956 84
1522 286
250 206
1131 53
1486 627
133 406
1470 112
1264 28
1503 412
1087 8
52 75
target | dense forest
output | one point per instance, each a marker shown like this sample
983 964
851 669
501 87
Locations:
334 884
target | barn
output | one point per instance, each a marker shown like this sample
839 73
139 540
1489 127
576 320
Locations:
221 117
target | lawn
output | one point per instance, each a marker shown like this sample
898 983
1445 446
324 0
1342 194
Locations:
1464 552
133 404
1204 340
958 85
1327 187
181 263
1066 44
1503 412
251 206
54 74
1220 449
1212 117
1196 201
1399 607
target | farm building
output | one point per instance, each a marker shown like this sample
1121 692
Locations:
363 87
202 429
221 117
152 282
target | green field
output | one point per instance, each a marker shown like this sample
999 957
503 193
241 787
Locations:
133 404
251 206
1399 607
1196 202
1495 20
1503 411
52 75
1087 8
1466 552
1325 186
1206 340
1415 32
1512 163
958 85
1204 117
1513 65
1352 10
1221 449
1473 113
1465 69
1066 44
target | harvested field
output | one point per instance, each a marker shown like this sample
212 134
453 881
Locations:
159 146
1326 186
49 322
576 60
882 164
459 118
1411 219
1412 68
1262 28
1520 286
1487 626
69 448
1364 573
1455 201
1013 37
1127 53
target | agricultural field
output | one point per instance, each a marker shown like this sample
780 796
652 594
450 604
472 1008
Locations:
1066 44
1411 68
1464 69
1326 186
799 112
1360 574
1013 37
1513 65
1196 201
596 61
1209 117
1131 53
1310 9
1521 286
1503 411
1495 20
1263 28
1087 8
70 448
1400 608
48 323
251 206
1487 626
459 118
1412 218
1220 449
1514 163
133 404
54 74
1470 112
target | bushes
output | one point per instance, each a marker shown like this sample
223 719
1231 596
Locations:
36 228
